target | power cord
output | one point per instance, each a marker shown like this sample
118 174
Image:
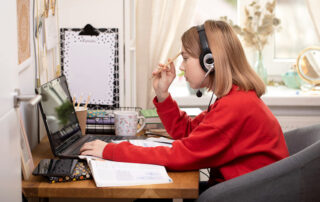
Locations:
204 174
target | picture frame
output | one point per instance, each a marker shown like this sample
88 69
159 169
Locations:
27 164
23 27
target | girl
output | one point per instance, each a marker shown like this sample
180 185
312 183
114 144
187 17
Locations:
236 135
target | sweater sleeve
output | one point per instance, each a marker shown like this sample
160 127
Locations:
176 122
194 152
206 146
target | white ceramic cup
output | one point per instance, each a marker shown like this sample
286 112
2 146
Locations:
126 123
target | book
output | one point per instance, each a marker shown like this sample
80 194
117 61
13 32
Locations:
111 173
152 116
99 129
101 121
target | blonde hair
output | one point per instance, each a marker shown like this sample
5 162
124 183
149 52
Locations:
231 65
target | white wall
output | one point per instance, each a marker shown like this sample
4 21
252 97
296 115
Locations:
100 14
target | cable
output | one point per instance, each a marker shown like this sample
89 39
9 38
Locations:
208 110
204 173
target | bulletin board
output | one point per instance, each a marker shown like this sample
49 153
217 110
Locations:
91 65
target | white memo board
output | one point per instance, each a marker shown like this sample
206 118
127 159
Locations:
91 65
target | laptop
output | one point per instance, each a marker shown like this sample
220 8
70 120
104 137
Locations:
61 122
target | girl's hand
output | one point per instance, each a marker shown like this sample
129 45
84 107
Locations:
162 79
94 148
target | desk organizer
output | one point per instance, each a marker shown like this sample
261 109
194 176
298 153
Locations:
100 119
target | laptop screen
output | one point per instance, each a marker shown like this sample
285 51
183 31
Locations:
58 112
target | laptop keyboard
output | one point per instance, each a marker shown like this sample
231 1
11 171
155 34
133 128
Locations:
103 138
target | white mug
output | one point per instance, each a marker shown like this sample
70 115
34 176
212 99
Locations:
126 123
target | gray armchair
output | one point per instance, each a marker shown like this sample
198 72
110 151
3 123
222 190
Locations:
296 178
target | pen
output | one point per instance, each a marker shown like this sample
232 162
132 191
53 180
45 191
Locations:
163 142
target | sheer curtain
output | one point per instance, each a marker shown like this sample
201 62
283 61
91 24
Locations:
159 26
313 7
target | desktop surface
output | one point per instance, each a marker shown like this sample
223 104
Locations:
185 184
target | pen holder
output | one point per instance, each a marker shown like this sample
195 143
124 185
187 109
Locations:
82 118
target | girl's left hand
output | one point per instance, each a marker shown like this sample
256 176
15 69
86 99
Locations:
94 148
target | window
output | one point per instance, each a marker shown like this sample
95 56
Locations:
299 29
294 37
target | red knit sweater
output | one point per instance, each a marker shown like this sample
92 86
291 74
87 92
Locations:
238 135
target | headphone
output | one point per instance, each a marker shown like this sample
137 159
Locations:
205 58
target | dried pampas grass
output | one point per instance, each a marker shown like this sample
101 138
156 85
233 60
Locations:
260 23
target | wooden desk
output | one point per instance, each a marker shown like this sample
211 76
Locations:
185 185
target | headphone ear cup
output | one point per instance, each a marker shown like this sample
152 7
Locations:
202 62
206 60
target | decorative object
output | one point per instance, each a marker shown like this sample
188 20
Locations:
259 67
308 67
27 164
291 78
23 16
259 24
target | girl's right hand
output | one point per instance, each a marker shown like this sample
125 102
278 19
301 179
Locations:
162 79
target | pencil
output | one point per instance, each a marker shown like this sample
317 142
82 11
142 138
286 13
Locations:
74 101
169 62
85 106
80 100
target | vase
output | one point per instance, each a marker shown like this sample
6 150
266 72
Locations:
260 69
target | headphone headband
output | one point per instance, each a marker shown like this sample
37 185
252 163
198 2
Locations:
203 38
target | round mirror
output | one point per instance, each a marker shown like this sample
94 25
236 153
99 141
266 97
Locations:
308 65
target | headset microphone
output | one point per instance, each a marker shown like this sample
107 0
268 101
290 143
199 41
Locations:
199 93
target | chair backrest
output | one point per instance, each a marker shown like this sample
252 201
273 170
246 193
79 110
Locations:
301 138
296 178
